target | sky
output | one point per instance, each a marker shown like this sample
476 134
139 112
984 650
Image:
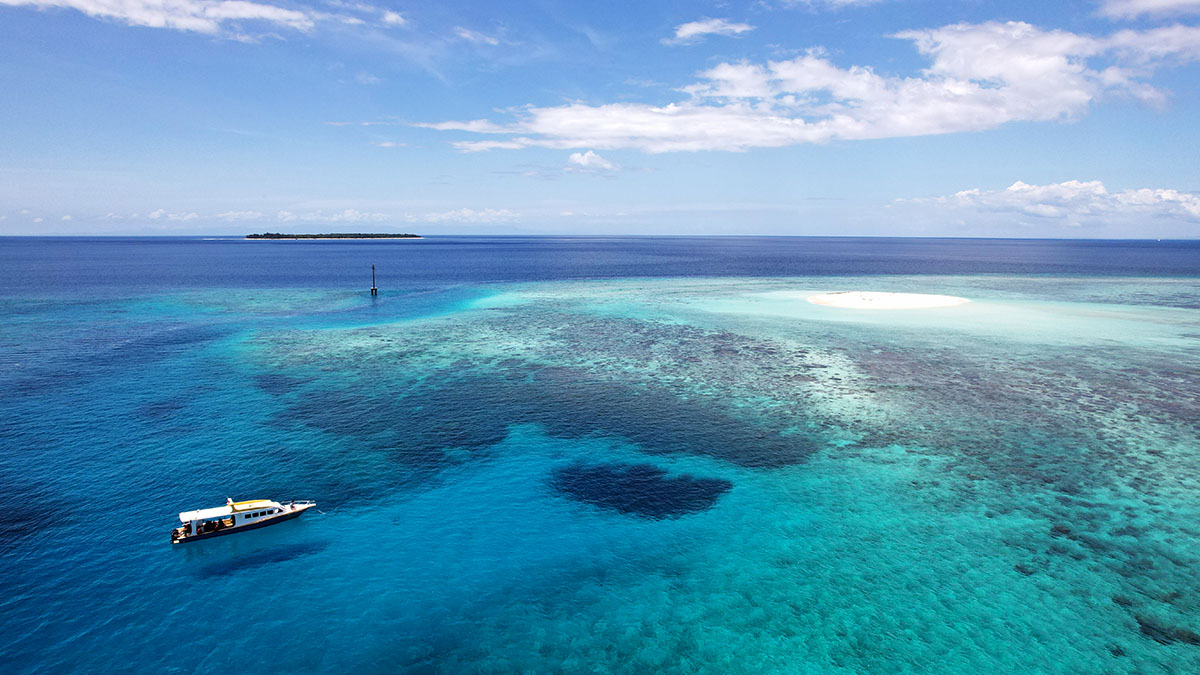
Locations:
962 118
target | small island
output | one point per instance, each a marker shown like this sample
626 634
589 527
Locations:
334 235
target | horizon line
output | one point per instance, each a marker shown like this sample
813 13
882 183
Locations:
243 237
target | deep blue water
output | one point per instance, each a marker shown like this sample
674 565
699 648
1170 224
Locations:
608 454
83 266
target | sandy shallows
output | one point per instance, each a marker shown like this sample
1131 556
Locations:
883 300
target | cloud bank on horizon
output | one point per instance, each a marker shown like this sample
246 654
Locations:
1073 203
797 116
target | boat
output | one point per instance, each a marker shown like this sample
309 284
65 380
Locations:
235 517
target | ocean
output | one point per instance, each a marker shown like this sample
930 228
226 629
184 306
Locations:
602 454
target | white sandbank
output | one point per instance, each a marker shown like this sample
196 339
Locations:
884 300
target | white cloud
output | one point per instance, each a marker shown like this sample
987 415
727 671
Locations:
367 78
391 18
160 214
388 144
66 218
467 216
234 216
589 161
200 16
694 31
366 123
980 76
475 36
38 219
352 216
1077 202
344 216
1129 9
1142 48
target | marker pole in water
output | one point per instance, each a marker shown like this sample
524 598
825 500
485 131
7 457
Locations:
374 291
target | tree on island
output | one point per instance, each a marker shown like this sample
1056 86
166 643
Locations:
335 235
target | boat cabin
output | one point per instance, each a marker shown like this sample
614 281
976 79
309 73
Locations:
234 516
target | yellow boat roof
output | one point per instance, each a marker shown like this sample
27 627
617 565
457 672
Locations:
225 511
251 504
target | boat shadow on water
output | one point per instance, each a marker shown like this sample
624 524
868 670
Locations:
223 560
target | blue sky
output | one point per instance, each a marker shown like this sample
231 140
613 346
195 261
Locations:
810 117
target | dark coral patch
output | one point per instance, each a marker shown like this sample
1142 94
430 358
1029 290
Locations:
278 384
160 409
639 489
22 514
1166 634
571 404
473 413
144 344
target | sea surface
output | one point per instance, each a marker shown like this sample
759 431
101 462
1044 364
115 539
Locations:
601 455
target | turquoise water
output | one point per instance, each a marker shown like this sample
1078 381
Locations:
687 474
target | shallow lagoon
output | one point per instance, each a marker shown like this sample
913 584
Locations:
1008 485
